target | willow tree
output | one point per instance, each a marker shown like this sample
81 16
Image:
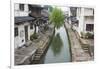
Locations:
57 17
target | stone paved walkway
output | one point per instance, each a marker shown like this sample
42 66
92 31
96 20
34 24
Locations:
87 45
23 55
78 53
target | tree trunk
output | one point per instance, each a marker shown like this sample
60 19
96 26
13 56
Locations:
35 29
54 29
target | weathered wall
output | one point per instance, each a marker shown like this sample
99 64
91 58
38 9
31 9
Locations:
21 34
18 12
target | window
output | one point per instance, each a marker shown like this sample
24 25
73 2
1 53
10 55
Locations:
89 27
21 7
16 32
31 26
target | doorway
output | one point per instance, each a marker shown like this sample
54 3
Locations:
26 33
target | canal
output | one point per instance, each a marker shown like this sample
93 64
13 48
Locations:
58 51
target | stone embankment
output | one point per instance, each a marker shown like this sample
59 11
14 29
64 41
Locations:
34 50
77 53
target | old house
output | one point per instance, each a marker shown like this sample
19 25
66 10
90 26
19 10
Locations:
83 20
23 25
28 19
40 13
85 17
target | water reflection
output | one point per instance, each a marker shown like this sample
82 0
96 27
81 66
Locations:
57 44
58 50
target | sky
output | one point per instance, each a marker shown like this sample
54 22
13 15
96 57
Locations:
64 8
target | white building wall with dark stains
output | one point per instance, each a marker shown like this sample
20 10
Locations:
89 20
18 12
85 16
88 11
81 20
69 14
20 39
30 31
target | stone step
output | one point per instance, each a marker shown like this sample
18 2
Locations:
35 61
36 57
38 54
85 48
39 50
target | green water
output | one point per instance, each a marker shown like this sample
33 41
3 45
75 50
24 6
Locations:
58 51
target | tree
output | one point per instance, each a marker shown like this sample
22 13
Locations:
57 17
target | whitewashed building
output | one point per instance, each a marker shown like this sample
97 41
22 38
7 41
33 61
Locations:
23 26
85 17
27 21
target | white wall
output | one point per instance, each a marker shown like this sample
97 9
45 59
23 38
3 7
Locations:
16 6
21 13
85 16
81 20
30 31
21 36
18 12
88 12
89 20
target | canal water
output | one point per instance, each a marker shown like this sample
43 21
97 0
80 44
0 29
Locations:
58 51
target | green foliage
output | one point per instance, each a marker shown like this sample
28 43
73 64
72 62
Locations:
89 35
33 36
82 34
57 17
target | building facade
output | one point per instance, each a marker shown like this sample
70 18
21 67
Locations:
40 13
85 20
23 26
28 19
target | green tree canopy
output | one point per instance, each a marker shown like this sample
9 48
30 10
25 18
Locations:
57 17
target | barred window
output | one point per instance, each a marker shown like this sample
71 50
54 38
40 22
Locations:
21 7
89 27
16 31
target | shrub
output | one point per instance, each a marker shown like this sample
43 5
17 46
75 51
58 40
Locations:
82 35
89 35
33 36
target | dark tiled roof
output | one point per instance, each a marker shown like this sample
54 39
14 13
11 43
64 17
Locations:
45 18
23 19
